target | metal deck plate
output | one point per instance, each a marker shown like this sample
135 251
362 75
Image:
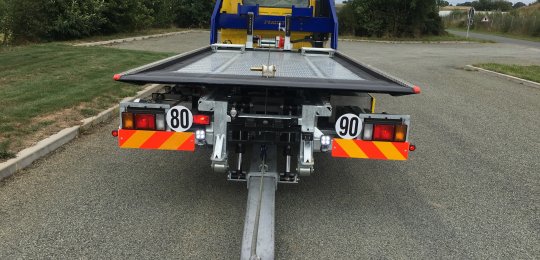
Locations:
288 66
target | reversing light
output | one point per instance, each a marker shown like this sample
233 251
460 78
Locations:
160 122
368 132
145 121
201 119
383 133
127 120
326 140
200 137
401 133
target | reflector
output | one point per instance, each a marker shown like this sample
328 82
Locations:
383 133
145 121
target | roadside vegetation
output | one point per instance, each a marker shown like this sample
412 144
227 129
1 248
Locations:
144 32
530 72
522 23
47 87
447 37
23 21
390 19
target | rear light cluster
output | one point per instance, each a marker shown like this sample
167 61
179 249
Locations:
385 132
145 121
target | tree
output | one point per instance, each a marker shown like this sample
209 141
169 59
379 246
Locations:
392 18
442 3
519 5
75 18
191 13
126 16
4 21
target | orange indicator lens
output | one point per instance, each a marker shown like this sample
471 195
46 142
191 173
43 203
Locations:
127 120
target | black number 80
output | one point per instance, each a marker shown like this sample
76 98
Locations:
180 118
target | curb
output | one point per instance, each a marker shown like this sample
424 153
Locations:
131 39
407 42
29 155
505 76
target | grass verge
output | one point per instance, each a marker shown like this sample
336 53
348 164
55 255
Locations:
427 39
507 35
530 72
115 36
47 87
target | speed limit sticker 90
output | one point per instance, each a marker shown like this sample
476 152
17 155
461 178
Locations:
179 118
349 126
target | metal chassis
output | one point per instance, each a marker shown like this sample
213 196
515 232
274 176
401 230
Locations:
263 176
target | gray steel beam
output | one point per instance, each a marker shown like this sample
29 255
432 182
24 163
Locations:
258 238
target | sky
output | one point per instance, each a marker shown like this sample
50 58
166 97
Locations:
454 2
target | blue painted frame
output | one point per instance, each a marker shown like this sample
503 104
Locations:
302 21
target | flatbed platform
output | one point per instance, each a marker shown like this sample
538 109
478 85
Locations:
232 68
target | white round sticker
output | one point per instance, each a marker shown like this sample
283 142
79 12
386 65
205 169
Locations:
349 126
179 119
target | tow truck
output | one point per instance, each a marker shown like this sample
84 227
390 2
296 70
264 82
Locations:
269 91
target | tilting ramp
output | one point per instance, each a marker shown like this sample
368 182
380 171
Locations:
258 239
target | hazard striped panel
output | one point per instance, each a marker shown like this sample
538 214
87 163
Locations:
370 150
156 140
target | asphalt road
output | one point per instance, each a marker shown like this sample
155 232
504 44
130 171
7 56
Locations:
472 190
498 39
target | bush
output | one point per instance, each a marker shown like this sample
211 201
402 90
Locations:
46 20
189 13
75 19
523 21
126 16
390 18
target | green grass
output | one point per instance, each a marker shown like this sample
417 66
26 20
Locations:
145 32
508 35
433 38
39 80
4 153
531 72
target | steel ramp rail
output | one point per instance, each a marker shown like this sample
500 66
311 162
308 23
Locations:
258 238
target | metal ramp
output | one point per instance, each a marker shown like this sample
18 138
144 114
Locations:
262 179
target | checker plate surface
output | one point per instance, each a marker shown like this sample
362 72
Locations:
288 66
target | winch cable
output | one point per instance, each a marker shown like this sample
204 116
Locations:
254 238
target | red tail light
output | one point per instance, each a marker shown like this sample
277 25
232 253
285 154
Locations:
201 119
145 122
383 133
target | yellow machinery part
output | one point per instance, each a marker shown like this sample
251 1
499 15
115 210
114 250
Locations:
236 36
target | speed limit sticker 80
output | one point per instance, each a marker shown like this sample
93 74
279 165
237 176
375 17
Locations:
349 126
179 118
